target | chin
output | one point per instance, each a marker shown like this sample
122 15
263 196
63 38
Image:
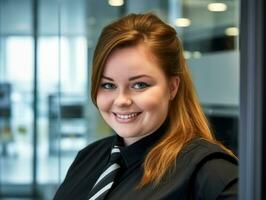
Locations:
125 134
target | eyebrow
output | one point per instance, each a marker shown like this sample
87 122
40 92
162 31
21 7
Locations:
105 77
130 79
139 76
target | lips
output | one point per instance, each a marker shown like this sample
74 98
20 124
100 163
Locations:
128 117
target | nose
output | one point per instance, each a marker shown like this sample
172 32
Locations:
123 100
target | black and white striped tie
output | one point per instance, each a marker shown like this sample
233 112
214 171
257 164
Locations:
106 179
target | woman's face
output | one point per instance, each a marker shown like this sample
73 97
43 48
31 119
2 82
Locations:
134 93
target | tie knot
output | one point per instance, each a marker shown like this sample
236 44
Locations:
115 154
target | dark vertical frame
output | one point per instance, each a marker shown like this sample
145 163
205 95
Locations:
252 83
27 192
59 2
0 72
35 96
263 158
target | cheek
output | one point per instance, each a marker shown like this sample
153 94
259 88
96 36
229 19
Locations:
103 101
154 101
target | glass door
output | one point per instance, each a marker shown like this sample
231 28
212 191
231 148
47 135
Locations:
16 98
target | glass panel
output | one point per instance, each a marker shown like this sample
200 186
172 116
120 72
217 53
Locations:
62 62
48 86
16 114
211 48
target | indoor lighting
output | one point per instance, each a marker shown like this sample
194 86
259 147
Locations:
232 31
182 22
196 54
116 2
187 54
217 7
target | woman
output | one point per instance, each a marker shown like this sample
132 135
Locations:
165 149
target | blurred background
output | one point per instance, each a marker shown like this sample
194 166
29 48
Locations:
46 49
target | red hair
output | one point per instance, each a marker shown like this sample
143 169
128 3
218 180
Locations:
185 115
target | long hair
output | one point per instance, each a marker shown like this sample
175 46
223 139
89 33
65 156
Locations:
186 119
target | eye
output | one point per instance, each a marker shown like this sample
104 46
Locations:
140 85
108 86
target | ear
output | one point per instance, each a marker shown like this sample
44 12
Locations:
173 86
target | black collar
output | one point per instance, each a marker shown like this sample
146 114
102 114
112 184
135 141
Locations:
138 150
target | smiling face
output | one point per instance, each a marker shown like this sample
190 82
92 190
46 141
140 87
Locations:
134 93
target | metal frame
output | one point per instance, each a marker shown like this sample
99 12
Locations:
251 99
35 12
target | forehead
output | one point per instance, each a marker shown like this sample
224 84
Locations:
134 59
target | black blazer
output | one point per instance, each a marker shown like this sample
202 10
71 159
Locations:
203 171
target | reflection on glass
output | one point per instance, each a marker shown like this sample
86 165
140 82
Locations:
16 115
210 23
211 49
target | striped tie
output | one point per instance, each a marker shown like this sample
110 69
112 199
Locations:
106 179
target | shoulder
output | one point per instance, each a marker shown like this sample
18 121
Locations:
214 172
88 163
200 150
215 179
99 147
105 142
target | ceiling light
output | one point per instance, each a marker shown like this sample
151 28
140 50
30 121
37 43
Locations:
187 54
232 31
217 7
182 22
197 54
116 2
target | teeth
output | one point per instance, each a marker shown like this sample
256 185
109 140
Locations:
127 116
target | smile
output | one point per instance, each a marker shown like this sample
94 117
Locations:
126 117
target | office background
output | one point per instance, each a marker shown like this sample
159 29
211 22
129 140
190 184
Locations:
46 49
